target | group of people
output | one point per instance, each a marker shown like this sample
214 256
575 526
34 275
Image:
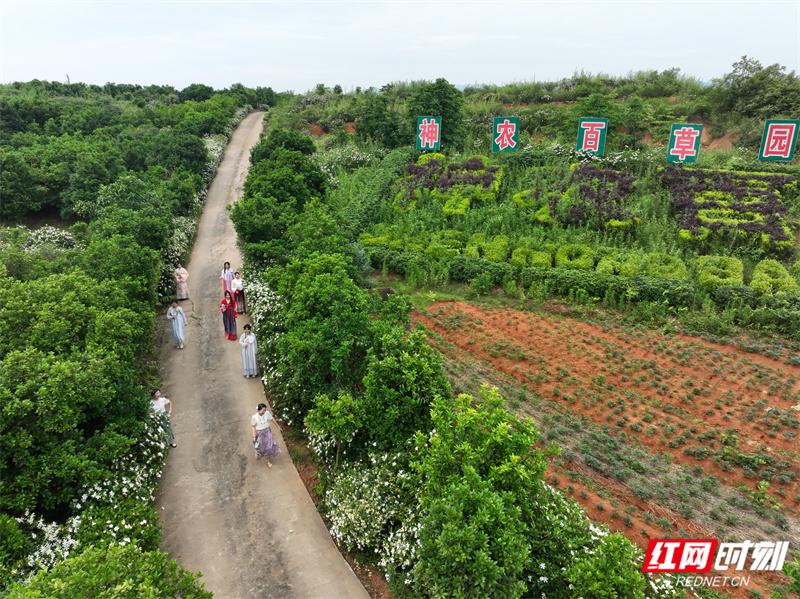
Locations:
264 443
232 304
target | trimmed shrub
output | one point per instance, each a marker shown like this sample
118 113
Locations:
540 259
664 266
575 256
526 254
476 246
426 158
771 276
716 271
497 249
626 264
464 269
734 296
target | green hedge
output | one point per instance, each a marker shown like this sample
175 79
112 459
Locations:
770 276
716 271
575 256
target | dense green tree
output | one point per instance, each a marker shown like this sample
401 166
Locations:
120 258
196 92
175 151
289 175
376 121
327 329
22 187
315 230
281 138
265 96
471 543
14 546
403 376
440 98
753 90
261 224
53 436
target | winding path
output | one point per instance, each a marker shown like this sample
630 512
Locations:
252 531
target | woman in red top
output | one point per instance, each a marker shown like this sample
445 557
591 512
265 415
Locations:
228 308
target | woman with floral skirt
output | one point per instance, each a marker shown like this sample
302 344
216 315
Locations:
263 442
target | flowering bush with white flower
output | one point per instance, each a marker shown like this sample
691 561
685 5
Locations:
49 236
117 510
215 147
365 501
342 158
265 308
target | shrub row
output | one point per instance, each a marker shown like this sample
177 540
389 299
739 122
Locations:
779 311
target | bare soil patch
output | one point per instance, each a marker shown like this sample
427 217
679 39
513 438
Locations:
705 405
316 130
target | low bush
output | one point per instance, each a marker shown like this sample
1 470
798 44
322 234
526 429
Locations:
718 271
627 264
115 571
770 276
665 266
575 256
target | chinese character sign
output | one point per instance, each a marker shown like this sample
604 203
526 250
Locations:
779 140
684 143
505 134
429 132
592 136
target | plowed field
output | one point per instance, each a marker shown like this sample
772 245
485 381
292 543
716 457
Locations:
660 435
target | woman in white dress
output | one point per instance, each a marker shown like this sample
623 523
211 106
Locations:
226 277
249 352
237 288
263 443
181 283
177 319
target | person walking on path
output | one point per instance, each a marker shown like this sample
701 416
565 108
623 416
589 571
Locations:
161 408
228 308
249 352
181 283
237 287
177 319
263 443
226 276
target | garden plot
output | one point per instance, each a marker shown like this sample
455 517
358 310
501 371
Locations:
712 419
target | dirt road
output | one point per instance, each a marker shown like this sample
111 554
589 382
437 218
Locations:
252 531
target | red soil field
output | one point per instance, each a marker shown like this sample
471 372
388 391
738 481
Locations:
669 393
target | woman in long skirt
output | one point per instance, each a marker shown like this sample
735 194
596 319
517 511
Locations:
263 442
181 283
228 308
161 408
237 288
249 352
177 319
226 276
